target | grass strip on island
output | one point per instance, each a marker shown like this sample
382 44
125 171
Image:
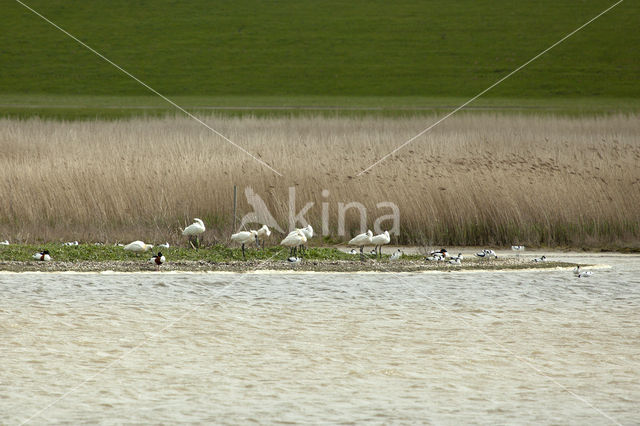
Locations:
97 258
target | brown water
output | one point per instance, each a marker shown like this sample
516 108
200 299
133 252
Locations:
443 348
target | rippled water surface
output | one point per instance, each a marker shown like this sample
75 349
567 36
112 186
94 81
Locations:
443 348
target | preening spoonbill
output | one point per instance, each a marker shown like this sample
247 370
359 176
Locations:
362 240
263 233
138 247
165 245
293 240
43 256
396 255
379 240
308 233
158 260
245 237
4 243
193 231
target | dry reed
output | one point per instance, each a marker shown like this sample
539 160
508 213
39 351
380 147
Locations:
476 179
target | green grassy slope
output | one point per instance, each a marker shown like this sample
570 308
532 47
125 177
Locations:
304 49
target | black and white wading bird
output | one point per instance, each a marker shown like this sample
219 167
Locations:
193 231
42 256
157 260
362 240
540 259
396 255
581 273
245 237
487 254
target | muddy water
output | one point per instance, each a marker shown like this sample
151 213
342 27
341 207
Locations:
443 348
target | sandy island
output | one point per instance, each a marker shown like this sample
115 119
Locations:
368 265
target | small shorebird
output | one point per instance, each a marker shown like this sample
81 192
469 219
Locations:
293 240
71 243
455 261
456 258
362 240
138 247
581 273
245 237
434 257
193 231
42 256
487 254
379 240
540 259
158 260
396 255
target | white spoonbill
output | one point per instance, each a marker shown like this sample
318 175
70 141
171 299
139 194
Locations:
293 240
245 237
308 233
43 256
158 260
379 240
165 245
138 247
193 231
362 240
263 232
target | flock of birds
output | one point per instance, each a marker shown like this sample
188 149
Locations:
296 240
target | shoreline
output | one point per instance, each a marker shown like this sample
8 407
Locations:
255 266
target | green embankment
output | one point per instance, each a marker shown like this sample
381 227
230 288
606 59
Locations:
362 55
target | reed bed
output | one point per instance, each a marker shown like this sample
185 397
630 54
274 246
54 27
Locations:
477 179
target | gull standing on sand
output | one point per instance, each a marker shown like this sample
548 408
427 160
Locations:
193 231
293 240
42 256
379 240
362 240
138 247
263 232
245 237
